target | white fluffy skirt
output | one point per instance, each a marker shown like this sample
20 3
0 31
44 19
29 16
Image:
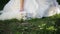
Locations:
32 9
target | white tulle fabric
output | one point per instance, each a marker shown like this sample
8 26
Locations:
32 9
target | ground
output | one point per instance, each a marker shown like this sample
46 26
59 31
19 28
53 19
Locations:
46 25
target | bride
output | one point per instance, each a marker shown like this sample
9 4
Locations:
29 9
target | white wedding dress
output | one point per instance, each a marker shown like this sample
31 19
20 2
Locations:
32 9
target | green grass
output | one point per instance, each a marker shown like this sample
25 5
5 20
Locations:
47 25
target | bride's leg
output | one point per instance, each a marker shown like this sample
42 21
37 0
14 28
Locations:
21 5
22 11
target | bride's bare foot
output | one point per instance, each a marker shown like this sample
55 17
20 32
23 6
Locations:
23 14
22 9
